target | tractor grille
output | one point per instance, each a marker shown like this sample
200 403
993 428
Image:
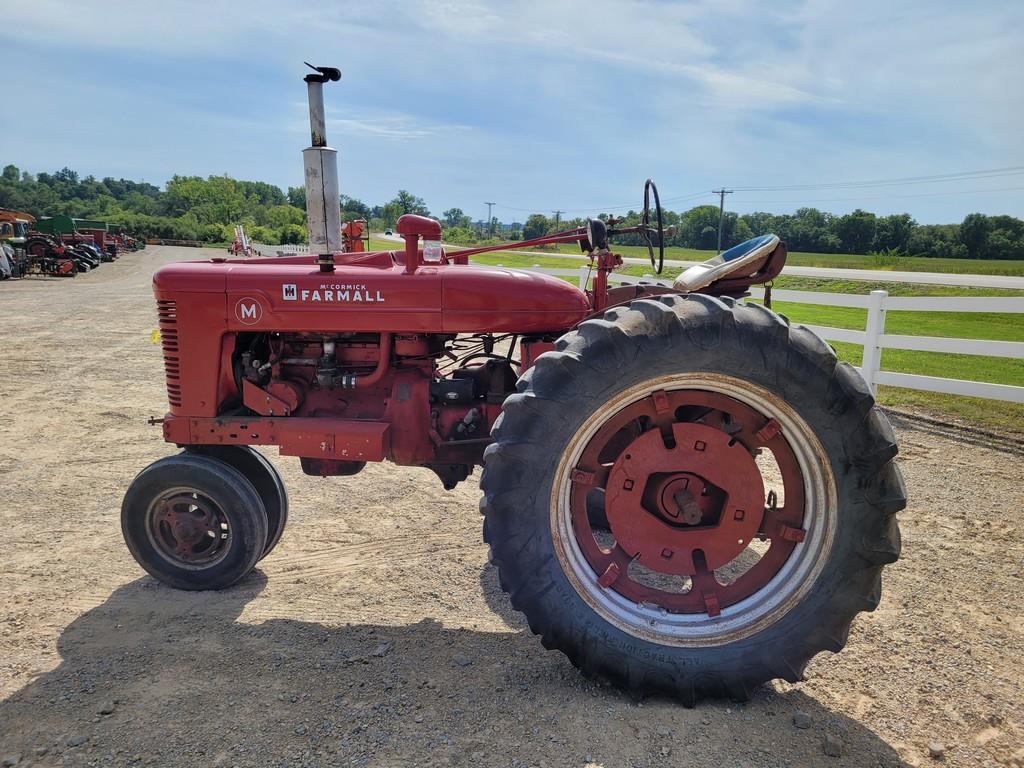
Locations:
167 313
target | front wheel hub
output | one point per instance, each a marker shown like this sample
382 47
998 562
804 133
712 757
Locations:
680 532
188 528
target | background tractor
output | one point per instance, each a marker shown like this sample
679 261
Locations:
46 255
355 236
84 241
683 492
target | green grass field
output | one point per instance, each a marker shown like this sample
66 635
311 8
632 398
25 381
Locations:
906 264
987 413
384 245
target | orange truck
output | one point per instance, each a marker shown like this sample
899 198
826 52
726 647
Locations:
14 225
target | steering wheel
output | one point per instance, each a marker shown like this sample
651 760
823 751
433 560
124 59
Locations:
646 230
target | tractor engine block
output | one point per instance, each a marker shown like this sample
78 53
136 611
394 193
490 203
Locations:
437 419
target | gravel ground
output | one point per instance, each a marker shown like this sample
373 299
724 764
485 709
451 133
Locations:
376 634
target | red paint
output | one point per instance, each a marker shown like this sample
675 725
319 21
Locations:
531 350
661 542
438 298
402 318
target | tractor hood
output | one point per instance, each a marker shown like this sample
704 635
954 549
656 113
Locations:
275 296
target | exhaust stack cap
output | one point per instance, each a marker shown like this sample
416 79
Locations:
323 74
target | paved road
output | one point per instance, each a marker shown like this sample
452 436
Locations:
868 275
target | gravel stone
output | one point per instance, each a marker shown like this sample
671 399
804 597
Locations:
801 720
832 746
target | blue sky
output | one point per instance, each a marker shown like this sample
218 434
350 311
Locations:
534 105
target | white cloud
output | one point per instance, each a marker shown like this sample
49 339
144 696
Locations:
394 127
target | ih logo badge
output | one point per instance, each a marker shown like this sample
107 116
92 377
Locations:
289 292
248 311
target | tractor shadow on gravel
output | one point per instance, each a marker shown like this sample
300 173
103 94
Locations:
153 676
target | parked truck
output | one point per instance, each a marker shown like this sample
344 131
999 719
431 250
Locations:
14 228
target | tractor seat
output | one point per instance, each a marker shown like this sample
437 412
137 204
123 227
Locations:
746 254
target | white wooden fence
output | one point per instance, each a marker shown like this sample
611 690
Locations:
874 339
280 250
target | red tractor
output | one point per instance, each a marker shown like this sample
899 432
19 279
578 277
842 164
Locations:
355 236
683 492
46 255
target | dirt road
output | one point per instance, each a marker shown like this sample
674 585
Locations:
376 635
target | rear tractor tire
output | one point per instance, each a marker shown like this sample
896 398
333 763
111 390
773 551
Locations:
747 488
194 522
265 479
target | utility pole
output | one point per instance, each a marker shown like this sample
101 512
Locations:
721 211
558 218
490 221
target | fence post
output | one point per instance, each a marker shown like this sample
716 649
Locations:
584 276
871 361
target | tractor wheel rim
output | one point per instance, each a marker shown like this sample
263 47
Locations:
188 528
678 565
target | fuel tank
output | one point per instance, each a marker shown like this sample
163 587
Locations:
376 295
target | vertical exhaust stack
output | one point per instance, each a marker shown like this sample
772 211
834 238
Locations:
323 204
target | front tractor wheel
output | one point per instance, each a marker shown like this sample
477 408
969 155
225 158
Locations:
692 497
265 479
194 522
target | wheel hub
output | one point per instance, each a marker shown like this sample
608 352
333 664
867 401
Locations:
675 477
187 532
681 530
188 528
682 498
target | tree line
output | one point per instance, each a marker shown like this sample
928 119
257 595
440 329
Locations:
207 209
187 208
808 229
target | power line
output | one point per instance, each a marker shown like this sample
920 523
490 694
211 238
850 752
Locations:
899 181
558 217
